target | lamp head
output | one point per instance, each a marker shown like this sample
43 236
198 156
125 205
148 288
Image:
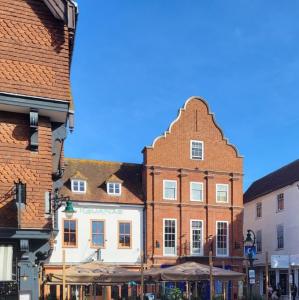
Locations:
69 209
248 241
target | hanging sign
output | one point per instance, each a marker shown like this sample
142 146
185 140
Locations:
250 251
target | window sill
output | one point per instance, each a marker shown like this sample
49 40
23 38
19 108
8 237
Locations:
195 255
124 248
218 255
97 247
64 246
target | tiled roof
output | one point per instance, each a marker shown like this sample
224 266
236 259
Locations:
96 173
278 179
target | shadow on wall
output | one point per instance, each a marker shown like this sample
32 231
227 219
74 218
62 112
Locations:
8 209
56 33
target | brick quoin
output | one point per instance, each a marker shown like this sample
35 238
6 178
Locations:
169 158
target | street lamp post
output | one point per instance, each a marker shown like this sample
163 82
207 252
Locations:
249 244
68 211
210 238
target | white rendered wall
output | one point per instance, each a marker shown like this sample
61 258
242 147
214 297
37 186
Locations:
111 214
289 217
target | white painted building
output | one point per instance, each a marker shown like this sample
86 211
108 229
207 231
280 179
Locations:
109 214
271 210
97 234
108 222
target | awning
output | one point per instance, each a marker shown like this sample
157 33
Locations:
190 271
95 272
98 272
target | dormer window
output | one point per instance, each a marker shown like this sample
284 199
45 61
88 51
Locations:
114 188
78 186
196 150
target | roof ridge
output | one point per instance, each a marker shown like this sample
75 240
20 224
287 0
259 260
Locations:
101 161
277 179
276 171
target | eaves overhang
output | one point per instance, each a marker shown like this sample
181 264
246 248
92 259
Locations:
64 10
55 110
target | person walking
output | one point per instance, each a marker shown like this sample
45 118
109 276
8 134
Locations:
269 292
274 295
294 291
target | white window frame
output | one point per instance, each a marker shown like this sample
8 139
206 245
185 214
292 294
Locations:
176 233
256 208
113 193
191 238
227 239
259 250
202 147
200 183
78 180
176 190
222 184
6 260
283 236
277 202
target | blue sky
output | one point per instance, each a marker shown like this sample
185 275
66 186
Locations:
136 62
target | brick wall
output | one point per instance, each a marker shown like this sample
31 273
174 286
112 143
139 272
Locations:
169 158
32 168
34 51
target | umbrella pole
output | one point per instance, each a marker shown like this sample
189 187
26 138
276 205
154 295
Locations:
211 275
63 275
188 289
94 291
142 278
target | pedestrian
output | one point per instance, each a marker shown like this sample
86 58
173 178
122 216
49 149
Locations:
279 290
270 291
294 291
274 295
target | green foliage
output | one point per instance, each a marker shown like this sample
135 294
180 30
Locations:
175 294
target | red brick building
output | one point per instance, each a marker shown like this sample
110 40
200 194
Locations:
36 41
193 192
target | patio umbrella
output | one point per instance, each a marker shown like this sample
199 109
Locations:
96 272
190 271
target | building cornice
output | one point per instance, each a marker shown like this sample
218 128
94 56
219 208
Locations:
157 171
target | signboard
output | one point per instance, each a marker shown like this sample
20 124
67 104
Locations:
24 295
250 251
280 261
251 273
294 260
